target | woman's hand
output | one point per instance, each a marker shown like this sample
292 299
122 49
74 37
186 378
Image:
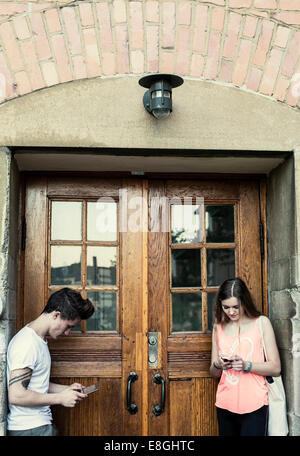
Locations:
238 363
225 363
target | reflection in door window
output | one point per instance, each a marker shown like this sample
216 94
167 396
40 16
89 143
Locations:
186 224
219 223
105 315
186 312
186 268
220 265
65 265
101 265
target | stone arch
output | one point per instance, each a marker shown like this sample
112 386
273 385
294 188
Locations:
250 44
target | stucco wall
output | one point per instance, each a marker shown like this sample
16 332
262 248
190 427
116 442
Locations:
109 113
9 195
4 195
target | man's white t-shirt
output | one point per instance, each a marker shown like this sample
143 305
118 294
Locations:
28 349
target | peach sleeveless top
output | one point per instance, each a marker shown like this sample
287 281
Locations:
237 391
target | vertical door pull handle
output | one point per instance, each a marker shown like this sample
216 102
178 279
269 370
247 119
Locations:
159 409
131 406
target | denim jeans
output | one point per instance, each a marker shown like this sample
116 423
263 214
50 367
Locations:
46 430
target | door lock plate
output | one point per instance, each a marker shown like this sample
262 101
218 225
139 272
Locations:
153 349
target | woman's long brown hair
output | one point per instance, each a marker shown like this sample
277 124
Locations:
234 288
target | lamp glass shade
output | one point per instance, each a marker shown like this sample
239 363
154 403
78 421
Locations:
159 94
161 113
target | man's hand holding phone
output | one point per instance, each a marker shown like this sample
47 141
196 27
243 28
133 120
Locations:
70 396
74 393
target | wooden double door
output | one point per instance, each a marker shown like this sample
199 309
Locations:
150 254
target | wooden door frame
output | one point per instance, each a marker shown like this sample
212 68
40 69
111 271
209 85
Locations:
261 180
264 243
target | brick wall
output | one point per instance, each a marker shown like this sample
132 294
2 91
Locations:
252 44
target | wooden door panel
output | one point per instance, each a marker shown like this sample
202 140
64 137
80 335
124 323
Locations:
93 187
158 305
181 392
191 407
203 409
132 306
86 356
210 189
249 242
99 414
35 253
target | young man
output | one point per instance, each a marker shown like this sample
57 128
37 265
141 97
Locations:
30 392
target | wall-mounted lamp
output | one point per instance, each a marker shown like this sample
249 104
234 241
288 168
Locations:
158 99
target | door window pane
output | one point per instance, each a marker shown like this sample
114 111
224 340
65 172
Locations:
186 312
65 265
102 221
219 223
211 299
101 265
105 316
186 224
220 265
186 268
66 220
77 328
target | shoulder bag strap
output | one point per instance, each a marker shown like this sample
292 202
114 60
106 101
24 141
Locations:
262 337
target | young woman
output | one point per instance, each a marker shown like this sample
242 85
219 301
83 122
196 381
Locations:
238 358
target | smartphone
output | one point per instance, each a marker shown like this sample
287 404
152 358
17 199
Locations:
91 389
226 360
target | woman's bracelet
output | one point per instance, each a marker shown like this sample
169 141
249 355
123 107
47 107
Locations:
249 367
217 367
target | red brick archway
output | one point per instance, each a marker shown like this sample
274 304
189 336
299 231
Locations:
251 44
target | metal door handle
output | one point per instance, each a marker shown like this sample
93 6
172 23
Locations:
159 409
131 406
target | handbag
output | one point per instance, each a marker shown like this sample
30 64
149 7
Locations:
277 415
